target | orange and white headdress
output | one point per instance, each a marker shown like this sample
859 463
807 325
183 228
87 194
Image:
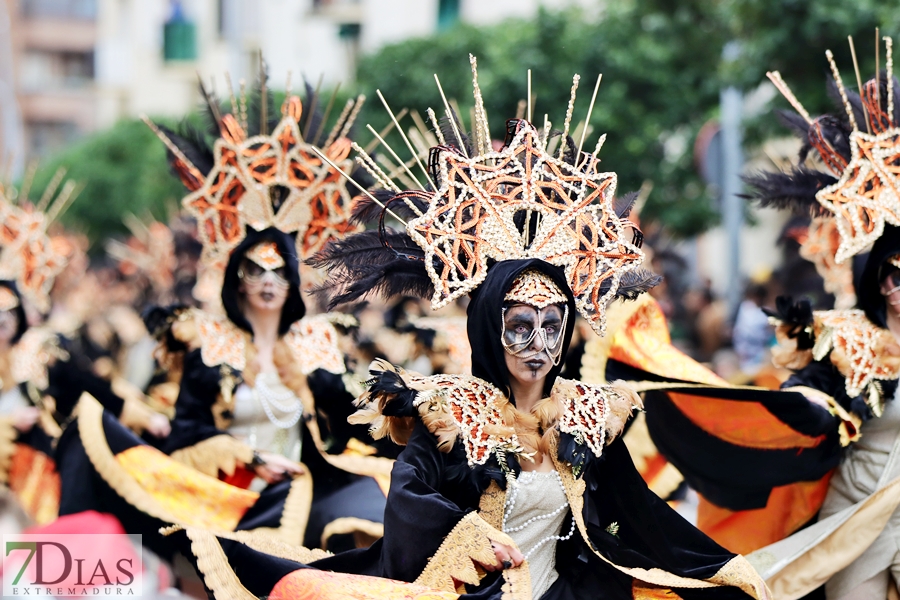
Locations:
270 177
28 255
857 191
532 199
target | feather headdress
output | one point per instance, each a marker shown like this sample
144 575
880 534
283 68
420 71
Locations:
858 188
263 170
483 206
28 255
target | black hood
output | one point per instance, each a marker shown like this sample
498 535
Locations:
294 309
485 328
19 310
868 295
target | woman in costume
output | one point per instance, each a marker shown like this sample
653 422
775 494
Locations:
41 382
247 410
513 483
846 365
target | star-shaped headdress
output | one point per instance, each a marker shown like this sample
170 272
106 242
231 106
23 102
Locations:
274 178
28 255
526 200
859 188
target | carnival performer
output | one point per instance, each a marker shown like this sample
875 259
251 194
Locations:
513 483
41 382
254 380
846 363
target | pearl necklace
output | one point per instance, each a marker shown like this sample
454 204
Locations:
513 485
285 401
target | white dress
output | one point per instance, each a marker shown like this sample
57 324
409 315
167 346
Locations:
266 417
536 507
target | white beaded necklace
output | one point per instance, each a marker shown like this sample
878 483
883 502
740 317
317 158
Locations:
285 401
513 487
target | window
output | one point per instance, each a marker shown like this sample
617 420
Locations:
60 9
42 69
179 36
47 137
448 13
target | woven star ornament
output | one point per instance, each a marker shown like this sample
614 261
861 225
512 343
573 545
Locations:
28 255
520 203
268 180
867 193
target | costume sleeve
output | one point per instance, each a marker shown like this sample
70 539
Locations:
67 382
417 516
195 440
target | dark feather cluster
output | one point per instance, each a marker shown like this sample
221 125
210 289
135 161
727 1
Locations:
158 321
388 264
794 190
797 317
388 385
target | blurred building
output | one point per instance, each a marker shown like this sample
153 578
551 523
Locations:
75 66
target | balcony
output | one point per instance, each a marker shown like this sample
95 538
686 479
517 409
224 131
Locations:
59 9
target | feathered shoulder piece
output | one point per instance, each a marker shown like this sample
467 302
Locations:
37 350
538 197
313 341
472 411
861 351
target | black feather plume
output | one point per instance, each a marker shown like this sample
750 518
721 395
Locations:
794 190
371 263
634 283
623 204
193 146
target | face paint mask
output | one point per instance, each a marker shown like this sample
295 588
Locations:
523 325
264 263
890 284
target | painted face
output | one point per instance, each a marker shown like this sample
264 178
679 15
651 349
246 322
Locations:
263 275
890 289
533 339
9 323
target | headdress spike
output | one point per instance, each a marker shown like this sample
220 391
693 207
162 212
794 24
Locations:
840 83
859 82
569 109
781 86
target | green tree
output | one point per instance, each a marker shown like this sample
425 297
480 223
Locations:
123 169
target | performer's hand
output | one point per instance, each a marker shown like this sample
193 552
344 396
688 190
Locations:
159 426
507 558
25 418
276 467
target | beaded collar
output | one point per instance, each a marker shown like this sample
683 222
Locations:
472 410
312 340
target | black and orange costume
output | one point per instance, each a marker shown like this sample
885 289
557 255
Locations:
454 488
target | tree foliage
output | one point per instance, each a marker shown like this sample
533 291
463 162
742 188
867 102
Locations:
662 69
122 169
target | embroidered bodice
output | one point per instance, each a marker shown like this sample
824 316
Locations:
535 511
266 416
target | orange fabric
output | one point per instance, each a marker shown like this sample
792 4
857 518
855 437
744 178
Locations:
644 342
646 591
191 496
241 477
310 584
789 507
746 424
35 483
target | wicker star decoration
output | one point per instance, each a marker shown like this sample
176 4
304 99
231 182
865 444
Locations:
472 219
867 195
29 256
272 180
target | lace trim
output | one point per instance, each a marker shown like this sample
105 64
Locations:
218 453
469 543
213 564
344 525
8 436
